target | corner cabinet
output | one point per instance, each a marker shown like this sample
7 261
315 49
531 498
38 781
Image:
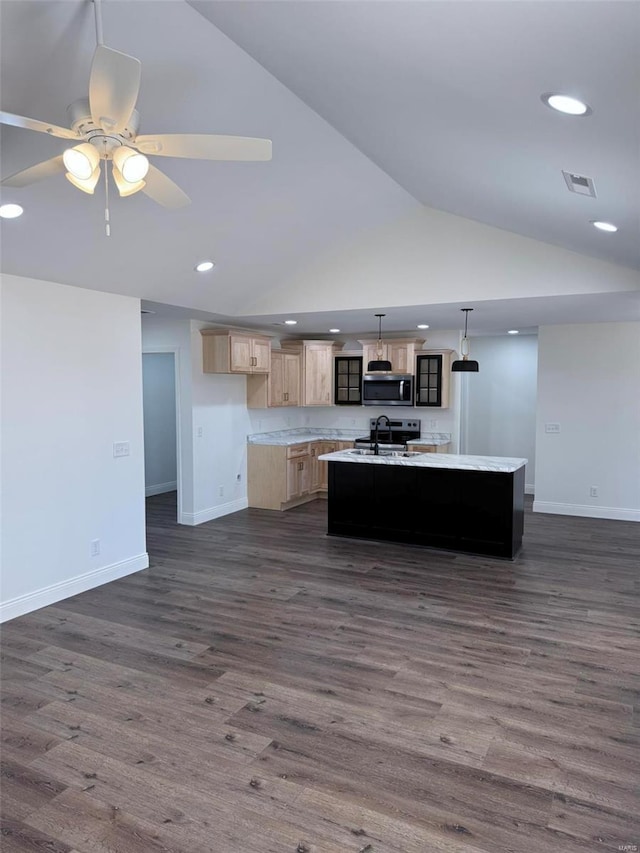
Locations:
316 369
283 477
433 369
232 351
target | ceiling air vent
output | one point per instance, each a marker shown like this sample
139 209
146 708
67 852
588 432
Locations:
579 184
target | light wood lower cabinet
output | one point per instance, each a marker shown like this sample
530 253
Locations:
430 448
282 477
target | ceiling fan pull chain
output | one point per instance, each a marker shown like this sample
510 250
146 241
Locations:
107 225
98 16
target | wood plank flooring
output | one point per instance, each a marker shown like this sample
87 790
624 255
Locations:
264 687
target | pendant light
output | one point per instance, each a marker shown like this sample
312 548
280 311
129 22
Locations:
465 365
380 364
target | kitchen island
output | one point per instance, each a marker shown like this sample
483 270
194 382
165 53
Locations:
473 504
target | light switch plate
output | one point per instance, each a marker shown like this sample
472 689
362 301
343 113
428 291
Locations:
121 448
552 428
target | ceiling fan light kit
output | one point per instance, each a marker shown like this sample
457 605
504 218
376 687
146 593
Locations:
81 161
465 364
132 166
87 185
126 187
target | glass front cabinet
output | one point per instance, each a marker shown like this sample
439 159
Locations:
348 381
429 384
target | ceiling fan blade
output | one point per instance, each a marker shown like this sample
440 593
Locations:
35 173
163 190
202 146
113 88
34 124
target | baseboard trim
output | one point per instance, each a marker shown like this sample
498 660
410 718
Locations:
529 489
160 489
72 586
195 518
611 512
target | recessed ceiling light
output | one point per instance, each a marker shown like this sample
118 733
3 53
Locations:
205 266
334 331
10 211
291 322
422 326
604 226
513 332
566 104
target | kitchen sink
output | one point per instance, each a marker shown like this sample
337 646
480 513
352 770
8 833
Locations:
397 453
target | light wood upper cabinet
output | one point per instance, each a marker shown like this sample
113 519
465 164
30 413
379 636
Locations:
281 387
316 368
400 352
284 379
231 351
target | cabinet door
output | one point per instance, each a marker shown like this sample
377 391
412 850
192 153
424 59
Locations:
401 357
314 466
323 467
241 354
347 388
261 352
429 380
317 378
298 477
291 380
276 380
370 353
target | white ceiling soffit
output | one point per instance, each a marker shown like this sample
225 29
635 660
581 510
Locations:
445 97
489 318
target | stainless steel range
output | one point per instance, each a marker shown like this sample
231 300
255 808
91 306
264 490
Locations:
391 433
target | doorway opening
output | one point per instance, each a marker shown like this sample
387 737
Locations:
160 406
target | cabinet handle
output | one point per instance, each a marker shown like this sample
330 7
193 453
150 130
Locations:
286 395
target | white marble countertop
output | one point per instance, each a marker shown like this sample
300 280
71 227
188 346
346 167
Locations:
497 464
286 437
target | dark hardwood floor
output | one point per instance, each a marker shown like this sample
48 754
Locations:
263 687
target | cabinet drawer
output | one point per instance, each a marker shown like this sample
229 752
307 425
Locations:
298 450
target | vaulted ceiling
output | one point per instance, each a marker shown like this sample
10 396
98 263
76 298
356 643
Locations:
375 109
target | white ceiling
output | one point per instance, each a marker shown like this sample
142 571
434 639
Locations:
374 109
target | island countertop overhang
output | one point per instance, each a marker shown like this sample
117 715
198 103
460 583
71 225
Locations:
452 461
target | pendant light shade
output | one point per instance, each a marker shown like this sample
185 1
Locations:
465 364
379 364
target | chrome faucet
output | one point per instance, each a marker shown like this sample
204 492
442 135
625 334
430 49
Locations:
376 446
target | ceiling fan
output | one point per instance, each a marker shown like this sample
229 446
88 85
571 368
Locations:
104 127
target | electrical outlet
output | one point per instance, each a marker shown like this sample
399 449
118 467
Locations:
221 491
199 432
95 547
554 428
433 424
593 491
121 448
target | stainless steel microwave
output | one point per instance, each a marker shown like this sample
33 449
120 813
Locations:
387 389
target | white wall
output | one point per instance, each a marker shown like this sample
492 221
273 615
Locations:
589 384
436 257
159 408
71 387
499 402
